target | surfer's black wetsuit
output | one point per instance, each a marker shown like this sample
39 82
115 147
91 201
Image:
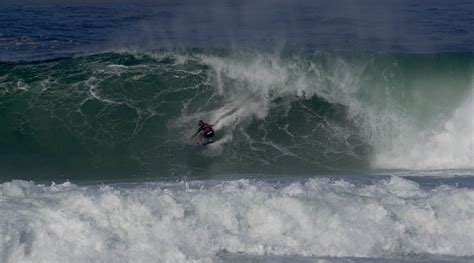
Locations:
206 130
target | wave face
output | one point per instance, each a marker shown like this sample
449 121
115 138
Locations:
122 114
177 222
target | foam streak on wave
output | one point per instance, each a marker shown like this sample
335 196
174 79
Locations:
171 222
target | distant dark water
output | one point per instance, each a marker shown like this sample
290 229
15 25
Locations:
45 29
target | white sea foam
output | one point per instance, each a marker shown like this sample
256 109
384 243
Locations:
451 146
177 222
250 83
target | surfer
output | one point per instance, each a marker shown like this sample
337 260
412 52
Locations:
205 131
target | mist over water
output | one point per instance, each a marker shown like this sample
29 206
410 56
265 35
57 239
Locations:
45 29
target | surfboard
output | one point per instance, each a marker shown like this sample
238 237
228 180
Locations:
197 144
206 143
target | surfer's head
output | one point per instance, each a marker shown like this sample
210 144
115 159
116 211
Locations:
200 123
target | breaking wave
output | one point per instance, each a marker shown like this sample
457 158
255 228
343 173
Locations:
130 114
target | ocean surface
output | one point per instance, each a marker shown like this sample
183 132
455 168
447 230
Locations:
344 131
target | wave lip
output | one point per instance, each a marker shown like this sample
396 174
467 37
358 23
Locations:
188 222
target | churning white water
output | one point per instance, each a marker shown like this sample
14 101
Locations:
178 222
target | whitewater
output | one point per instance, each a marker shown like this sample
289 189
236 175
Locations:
201 220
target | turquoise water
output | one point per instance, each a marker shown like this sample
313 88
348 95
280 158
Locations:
120 116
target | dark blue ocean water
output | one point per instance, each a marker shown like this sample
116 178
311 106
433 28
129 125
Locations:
44 29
